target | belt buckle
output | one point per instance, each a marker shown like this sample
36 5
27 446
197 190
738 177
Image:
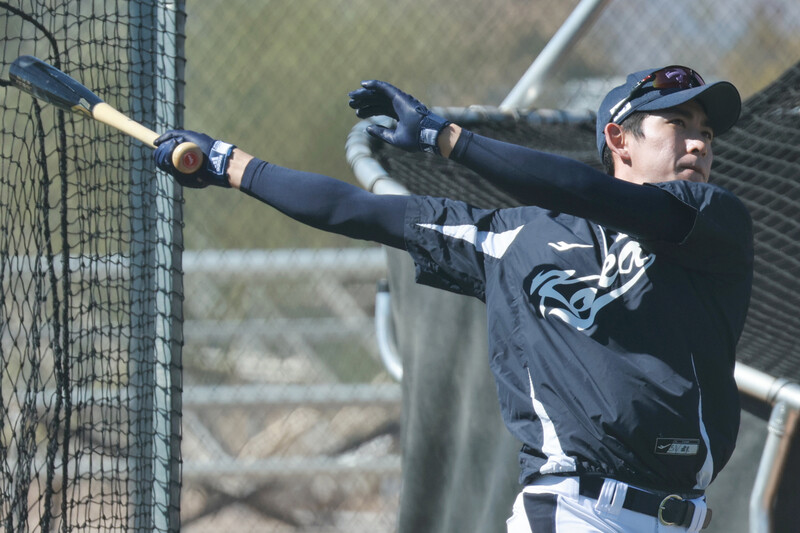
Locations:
661 509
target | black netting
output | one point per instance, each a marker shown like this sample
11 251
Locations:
89 270
758 160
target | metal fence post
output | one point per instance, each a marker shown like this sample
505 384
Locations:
156 292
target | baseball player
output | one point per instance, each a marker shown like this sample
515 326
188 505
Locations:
614 300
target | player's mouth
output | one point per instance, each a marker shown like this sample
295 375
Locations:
696 173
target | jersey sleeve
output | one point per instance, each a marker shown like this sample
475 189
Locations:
697 225
452 242
327 203
564 185
721 238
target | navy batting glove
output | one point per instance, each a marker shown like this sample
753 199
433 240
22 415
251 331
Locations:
215 158
417 128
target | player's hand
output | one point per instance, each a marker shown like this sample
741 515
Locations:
417 128
215 158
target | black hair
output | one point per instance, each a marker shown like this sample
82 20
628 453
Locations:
631 124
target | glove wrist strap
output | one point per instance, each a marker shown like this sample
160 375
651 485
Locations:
429 129
218 162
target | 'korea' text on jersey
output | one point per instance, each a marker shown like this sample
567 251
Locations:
575 309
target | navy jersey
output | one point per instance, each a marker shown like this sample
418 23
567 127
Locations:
612 356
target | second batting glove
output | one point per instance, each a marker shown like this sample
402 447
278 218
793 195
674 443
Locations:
417 128
216 153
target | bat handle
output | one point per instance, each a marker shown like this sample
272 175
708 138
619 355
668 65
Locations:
187 158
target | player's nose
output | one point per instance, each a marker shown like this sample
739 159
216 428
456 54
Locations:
698 145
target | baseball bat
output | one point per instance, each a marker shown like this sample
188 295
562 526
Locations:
50 85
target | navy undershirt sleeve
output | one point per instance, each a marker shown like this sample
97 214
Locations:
569 186
327 203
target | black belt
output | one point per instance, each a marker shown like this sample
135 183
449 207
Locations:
670 509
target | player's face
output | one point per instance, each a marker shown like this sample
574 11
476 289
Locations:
676 145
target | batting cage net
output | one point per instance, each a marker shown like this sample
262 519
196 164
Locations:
758 160
89 268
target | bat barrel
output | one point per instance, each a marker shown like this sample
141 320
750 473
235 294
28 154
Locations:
47 83
50 85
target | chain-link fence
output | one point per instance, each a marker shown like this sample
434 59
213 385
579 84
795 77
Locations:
290 422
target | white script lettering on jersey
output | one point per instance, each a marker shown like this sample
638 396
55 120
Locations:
578 300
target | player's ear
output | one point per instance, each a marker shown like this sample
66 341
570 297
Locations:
616 141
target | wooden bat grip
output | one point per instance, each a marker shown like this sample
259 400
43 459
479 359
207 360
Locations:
187 157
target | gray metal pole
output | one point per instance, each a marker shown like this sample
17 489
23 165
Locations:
385 332
169 281
784 395
760 508
140 359
766 388
528 88
156 287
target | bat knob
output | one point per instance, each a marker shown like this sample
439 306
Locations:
187 158
190 160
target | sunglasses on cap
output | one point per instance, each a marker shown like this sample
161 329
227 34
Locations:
672 77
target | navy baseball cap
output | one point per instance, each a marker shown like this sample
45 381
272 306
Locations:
655 89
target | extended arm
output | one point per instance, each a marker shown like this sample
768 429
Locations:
318 201
326 203
534 178
562 184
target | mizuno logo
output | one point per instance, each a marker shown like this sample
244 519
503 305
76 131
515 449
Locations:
677 446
